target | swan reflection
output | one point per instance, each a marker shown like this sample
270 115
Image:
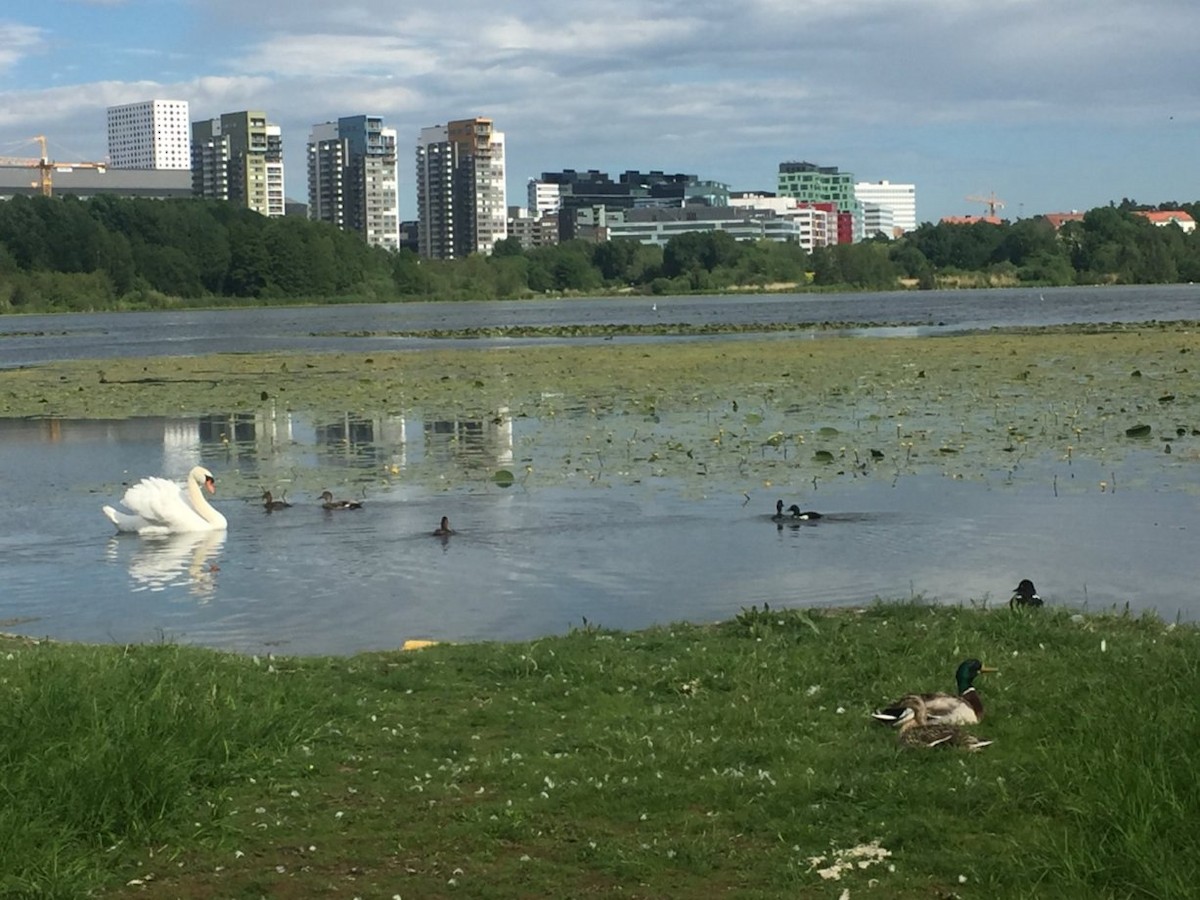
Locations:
176 560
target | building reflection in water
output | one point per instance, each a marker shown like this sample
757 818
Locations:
248 438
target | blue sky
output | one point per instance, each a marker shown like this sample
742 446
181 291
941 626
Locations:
1050 104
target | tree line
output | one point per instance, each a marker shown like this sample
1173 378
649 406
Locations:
63 253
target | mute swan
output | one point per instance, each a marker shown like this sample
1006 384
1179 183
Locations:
327 502
159 506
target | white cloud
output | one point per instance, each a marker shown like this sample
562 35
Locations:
18 42
725 89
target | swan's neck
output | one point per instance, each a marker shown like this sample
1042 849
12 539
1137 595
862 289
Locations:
201 505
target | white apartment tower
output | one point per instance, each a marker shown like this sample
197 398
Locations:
352 179
462 204
152 134
901 199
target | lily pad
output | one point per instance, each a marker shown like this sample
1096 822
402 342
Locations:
503 478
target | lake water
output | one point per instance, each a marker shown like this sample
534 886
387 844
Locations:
35 339
530 560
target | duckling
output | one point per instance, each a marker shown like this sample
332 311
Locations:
963 708
444 529
327 502
917 731
270 504
1025 595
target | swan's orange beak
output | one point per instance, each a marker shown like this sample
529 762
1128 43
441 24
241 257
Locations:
210 485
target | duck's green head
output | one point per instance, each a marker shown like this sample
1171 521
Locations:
967 670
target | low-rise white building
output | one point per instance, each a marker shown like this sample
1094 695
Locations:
806 227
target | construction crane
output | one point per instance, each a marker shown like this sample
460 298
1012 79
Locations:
47 167
992 202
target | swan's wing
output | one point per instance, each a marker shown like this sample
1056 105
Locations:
163 504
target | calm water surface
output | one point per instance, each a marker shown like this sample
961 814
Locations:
532 560
32 339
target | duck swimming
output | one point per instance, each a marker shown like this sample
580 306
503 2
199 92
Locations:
444 529
327 502
270 504
1025 595
917 731
795 513
963 708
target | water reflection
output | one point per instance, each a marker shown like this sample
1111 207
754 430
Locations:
177 560
619 550
252 440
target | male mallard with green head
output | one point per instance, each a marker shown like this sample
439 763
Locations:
963 708
917 731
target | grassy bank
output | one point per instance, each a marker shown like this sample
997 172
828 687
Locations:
731 760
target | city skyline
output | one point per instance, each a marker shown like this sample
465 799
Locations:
1051 107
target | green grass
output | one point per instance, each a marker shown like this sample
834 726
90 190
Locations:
683 761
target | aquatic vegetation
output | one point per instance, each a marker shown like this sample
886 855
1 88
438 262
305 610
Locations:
733 412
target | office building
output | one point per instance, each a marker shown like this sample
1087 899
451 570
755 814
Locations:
901 199
152 134
461 198
352 178
577 191
810 183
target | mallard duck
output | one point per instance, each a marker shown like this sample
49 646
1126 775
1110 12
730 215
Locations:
444 529
917 731
270 504
327 502
963 708
1025 595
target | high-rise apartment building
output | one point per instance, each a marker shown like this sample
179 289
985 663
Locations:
461 198
901 199
152 134
239 158
352 178
810 183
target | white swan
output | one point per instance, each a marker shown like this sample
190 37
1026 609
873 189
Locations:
159 506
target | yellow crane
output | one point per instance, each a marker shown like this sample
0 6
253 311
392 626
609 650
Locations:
992 202
47 167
